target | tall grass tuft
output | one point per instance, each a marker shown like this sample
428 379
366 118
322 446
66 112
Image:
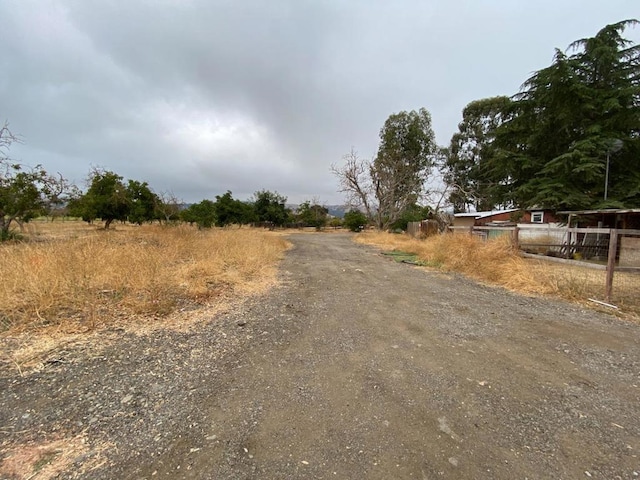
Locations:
90 279
495 262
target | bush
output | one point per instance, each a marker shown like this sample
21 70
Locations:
355 220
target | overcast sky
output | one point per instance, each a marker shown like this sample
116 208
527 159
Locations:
198 97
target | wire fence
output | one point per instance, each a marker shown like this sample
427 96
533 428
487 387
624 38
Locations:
601 264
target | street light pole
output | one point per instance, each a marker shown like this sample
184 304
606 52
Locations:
606 178
616 144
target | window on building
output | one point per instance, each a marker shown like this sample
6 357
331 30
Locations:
537 217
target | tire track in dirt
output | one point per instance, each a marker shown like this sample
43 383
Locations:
388 371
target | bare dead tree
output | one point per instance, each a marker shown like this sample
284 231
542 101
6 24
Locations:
168 206
354 177
383 189
6 139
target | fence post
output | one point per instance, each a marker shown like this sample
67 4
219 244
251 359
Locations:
611 263
516 238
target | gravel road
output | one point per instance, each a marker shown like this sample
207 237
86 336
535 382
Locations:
355 367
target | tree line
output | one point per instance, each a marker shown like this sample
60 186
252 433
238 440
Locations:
570 139
28 192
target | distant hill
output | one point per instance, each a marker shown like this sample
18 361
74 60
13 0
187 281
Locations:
334 210
337 210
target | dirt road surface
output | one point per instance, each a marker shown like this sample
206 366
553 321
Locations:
357 367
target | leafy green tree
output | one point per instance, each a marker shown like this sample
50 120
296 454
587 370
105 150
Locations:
413 213
143 202
24 192
355 220
312 215
395 179
567 122
471 149
202 214
270 207
106 197
231 211
404 160
335 222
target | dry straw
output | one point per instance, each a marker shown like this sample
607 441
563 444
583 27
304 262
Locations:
496 262
90 278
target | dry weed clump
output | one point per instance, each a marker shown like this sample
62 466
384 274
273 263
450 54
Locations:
495 262
150 270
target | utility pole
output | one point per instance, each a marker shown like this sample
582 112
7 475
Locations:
615 145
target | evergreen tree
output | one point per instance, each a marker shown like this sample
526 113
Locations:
567 122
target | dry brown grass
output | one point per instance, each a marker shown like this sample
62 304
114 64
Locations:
76 276
496 262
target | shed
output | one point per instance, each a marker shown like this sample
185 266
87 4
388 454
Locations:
624 218
472 219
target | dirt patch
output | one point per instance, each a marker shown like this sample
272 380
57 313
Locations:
356 366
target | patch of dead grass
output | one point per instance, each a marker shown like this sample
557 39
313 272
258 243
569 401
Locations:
496 262
86 281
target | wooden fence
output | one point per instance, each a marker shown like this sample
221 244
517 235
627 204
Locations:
424 228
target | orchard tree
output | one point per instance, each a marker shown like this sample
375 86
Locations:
312 214
232 211
270 207
143 202
355 220
335 223
203 214
25 192
572 123
395 179
106 198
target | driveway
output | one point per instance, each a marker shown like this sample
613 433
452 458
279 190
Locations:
355 367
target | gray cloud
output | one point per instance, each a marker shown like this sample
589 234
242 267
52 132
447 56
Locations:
199 97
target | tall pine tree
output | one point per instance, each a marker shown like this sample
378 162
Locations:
568 119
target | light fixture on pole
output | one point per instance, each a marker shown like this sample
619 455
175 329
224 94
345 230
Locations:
614 146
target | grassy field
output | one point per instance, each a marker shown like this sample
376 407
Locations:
496 262
75 276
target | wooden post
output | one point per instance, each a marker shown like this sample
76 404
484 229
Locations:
611 263
516 238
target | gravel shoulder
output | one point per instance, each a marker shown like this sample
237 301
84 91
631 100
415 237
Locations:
354 367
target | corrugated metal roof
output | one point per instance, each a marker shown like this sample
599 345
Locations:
483 214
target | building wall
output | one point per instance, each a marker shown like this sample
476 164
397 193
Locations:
463 221
548 217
